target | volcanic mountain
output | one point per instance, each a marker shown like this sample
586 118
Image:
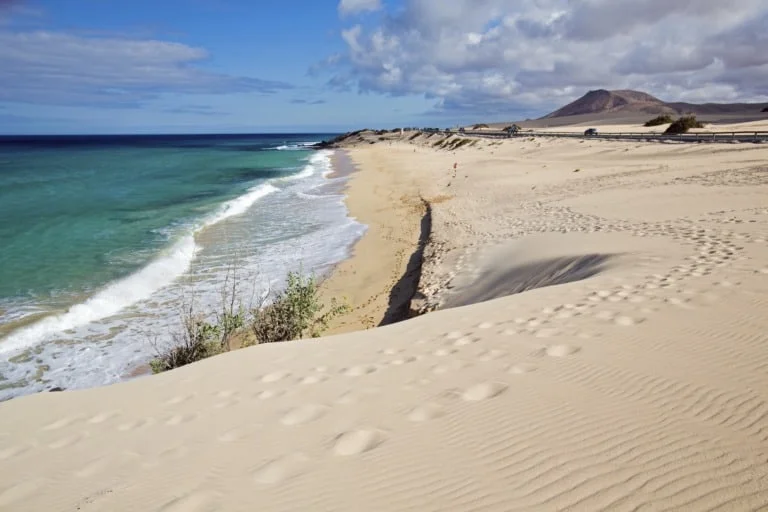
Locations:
630 102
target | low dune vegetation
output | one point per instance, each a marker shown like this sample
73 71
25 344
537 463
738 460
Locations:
659 120
294 313
684 124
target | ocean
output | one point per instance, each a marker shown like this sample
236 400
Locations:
103 238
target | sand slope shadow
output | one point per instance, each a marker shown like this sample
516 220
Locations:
501 281
399 307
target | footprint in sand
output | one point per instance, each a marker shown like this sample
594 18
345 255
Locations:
274 376
268 394
359 370
627 321
313 379
561 350
176 400
426 412
282 469
180 419
102 417
356 442
483 391
522 368
303 414
464 341
64 422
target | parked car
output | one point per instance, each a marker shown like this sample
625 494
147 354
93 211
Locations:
590 132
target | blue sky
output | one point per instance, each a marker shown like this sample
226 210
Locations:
179 66
240 41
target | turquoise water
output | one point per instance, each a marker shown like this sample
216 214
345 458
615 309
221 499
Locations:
77 216
95 231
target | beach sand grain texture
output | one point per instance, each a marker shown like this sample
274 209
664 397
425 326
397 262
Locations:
627 370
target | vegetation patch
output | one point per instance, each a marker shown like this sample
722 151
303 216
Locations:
659 120
684 124
294 313
461 142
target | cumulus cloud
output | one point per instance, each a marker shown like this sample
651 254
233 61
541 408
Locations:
498 56
63 69
349 7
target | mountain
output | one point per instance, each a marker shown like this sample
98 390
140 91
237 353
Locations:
602 101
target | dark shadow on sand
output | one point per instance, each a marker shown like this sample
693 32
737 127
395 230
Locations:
498 283
399 307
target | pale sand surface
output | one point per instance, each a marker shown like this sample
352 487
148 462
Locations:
638 382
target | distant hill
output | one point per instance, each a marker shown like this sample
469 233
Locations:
602 101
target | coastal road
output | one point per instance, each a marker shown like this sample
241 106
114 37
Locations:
710 137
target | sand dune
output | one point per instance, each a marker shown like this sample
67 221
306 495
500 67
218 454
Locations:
614 356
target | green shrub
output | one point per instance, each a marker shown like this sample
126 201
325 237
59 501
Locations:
659 120
684 124
765 109
295 313
196 341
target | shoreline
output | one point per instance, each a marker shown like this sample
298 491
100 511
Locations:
390 208
14 383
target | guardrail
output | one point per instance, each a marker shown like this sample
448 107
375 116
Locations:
735 136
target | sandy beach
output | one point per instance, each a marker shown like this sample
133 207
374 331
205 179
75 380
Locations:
597 339
375 281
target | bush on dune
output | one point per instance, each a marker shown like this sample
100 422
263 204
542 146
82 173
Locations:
684 124
196 340
295 313
659 120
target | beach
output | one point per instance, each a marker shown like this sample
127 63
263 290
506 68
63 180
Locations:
588 332
109 236
372 282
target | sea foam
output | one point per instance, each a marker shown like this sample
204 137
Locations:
125 292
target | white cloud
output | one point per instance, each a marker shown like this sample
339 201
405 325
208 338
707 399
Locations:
497 56
349 7
57 68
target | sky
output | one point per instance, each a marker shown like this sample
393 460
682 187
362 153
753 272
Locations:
233 66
